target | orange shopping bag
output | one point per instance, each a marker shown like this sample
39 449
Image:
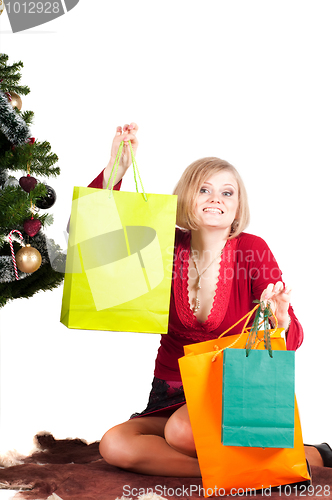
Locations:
229 469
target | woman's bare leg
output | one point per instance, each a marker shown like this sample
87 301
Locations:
161 446
139 445
313 456
178 432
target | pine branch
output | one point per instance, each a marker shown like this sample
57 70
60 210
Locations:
10 76
46 219
11 123
3 60
46 278
11 69
10 86
28 117
37 155
14 208
42 160
15 158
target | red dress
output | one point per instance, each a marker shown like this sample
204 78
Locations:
247 266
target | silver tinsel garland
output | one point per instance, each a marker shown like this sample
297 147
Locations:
7 273
11 123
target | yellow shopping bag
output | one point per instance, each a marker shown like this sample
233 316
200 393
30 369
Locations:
119 260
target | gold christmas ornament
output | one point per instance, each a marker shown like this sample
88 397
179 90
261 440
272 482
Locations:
16 101
28 259
2 6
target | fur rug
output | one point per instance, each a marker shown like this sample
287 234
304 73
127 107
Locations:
71 469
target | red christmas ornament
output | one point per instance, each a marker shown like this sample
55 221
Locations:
32 226
28 183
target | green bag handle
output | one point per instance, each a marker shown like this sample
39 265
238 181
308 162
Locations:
135 169
267 312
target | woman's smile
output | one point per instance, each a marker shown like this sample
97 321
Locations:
213 210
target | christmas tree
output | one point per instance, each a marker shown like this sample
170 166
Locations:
29 262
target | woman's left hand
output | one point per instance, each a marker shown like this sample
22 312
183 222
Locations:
279 297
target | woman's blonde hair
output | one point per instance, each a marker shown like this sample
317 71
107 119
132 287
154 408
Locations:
189 185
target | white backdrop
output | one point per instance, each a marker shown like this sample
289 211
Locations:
249 82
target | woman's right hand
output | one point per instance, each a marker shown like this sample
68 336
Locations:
125 134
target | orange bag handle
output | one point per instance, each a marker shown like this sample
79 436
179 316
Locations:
244 329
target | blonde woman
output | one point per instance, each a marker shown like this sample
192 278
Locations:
219 270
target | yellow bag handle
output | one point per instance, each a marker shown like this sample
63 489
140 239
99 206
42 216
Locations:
135 169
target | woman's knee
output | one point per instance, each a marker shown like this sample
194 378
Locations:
115 447
178 433
122 445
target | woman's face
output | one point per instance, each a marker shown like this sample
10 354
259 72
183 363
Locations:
218 201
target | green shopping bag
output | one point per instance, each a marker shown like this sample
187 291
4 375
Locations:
258 405
119 260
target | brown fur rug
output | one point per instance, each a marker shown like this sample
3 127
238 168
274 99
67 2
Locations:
74 470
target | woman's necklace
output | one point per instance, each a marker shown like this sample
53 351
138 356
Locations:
198 284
